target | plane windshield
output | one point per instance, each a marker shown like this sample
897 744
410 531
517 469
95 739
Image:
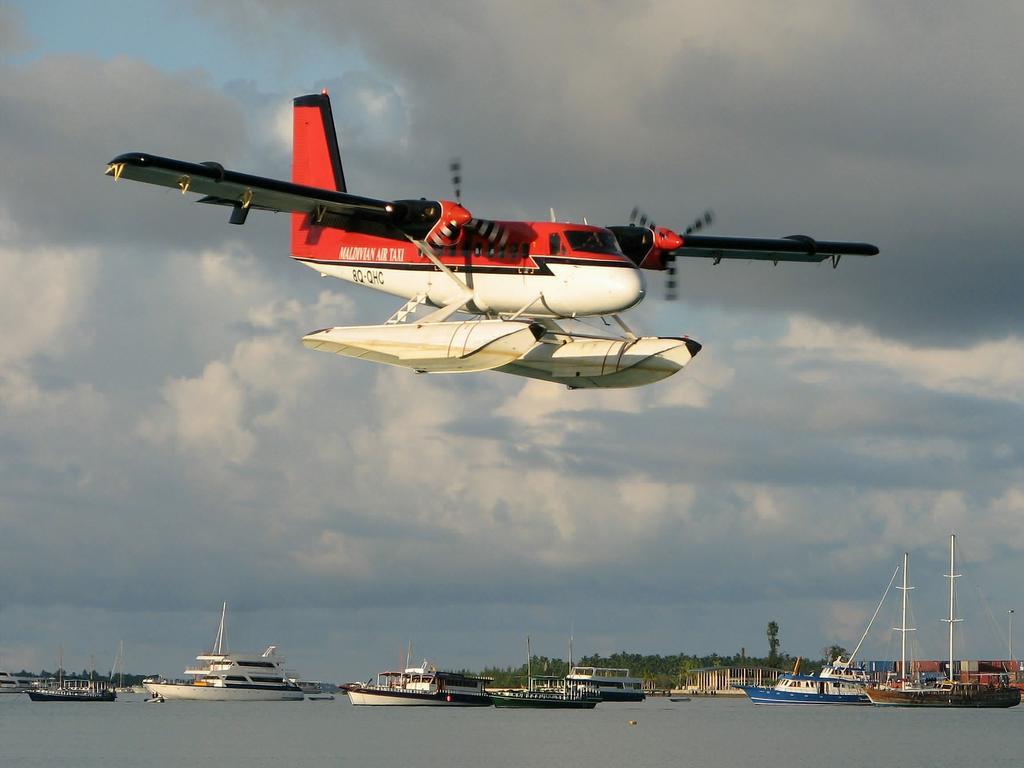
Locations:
592 242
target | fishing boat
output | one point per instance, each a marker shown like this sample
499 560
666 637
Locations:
906 692
223 675
422 686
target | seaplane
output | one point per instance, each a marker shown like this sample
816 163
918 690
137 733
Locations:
480 294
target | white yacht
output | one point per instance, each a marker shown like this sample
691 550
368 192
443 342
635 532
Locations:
11 684
611 684
223 675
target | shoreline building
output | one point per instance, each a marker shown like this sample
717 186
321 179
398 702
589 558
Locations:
725 681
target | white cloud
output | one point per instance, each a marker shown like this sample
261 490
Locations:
46 291
204 416
987 369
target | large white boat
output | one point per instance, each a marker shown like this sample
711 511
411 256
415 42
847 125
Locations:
610 684
223 675
11 684
422 686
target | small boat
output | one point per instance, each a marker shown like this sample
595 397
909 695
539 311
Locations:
677 699
948 693
422 686
313 690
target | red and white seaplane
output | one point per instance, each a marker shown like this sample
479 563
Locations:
520 281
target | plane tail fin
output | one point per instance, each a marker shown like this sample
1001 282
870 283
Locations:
316 160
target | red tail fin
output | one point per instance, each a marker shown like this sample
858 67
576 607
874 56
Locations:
316 162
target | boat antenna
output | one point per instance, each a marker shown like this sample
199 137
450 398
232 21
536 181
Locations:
849 662
952 620
903 628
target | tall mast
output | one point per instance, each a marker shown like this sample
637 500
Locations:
529 665
903 628
952 598
221 641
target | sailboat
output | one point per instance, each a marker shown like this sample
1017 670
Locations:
905 692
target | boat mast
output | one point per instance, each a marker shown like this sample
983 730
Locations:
529 665
219 642
952 598
903 628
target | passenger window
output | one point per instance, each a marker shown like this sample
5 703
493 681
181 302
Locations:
555 243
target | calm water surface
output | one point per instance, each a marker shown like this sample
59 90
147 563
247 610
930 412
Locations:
703 733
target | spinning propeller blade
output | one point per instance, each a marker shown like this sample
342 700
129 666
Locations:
704 220
492 230
456 169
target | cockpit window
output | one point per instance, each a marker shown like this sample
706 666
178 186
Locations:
593 242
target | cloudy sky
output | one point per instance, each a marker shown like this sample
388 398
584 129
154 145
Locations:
166 442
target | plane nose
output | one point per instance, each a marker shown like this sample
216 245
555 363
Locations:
626 287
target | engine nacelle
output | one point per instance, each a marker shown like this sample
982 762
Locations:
647 247
438 222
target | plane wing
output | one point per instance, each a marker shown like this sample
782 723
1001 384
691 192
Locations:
242 191
792 248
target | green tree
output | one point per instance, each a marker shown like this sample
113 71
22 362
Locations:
833 652
773 643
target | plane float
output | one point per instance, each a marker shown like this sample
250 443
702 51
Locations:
520 282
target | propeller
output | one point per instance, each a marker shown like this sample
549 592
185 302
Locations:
639 218
704 220
456 169
492 230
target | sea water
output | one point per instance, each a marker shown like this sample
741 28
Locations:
704 733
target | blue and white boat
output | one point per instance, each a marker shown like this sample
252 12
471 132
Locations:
837 683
